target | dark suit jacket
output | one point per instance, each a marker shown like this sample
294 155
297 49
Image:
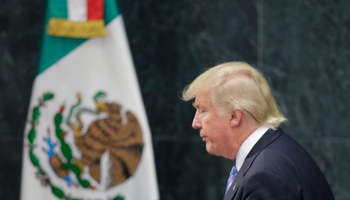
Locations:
279 168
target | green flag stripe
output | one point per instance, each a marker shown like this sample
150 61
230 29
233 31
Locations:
55 48
111 10
57 9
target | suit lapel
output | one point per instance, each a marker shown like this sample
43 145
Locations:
263 142
232 191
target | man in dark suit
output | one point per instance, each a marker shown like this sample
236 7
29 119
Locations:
238 119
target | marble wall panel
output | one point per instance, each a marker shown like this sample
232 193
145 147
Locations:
305 55
174 41
331 154
10 168
19 47
186 171
20 32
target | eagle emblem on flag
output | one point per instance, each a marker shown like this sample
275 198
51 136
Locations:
78 152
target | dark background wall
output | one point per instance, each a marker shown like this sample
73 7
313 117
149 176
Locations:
301 46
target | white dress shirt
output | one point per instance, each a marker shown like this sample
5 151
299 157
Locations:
248 144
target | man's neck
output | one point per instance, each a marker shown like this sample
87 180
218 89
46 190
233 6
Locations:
248 144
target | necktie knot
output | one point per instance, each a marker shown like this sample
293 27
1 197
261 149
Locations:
231 178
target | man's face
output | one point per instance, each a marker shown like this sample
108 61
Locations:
214 129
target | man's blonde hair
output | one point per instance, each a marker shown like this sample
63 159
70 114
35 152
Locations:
237 85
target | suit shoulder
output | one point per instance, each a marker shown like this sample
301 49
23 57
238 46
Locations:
288 160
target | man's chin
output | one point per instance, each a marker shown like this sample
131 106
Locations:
210 150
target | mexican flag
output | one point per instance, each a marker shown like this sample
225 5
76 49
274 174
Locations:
87 135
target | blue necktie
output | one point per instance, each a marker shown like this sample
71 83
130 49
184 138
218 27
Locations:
232 177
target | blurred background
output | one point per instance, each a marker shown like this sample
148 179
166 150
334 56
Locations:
302 47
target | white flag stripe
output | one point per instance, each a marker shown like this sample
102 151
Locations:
77 10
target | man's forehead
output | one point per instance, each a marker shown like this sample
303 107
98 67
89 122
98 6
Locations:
202 100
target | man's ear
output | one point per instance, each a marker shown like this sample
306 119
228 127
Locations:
236 118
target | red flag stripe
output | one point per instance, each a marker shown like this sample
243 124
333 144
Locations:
95 9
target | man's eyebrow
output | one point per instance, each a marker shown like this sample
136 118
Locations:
196 105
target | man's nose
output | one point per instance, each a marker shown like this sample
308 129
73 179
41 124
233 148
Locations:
196 124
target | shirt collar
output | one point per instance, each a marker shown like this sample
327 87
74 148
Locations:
248 144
